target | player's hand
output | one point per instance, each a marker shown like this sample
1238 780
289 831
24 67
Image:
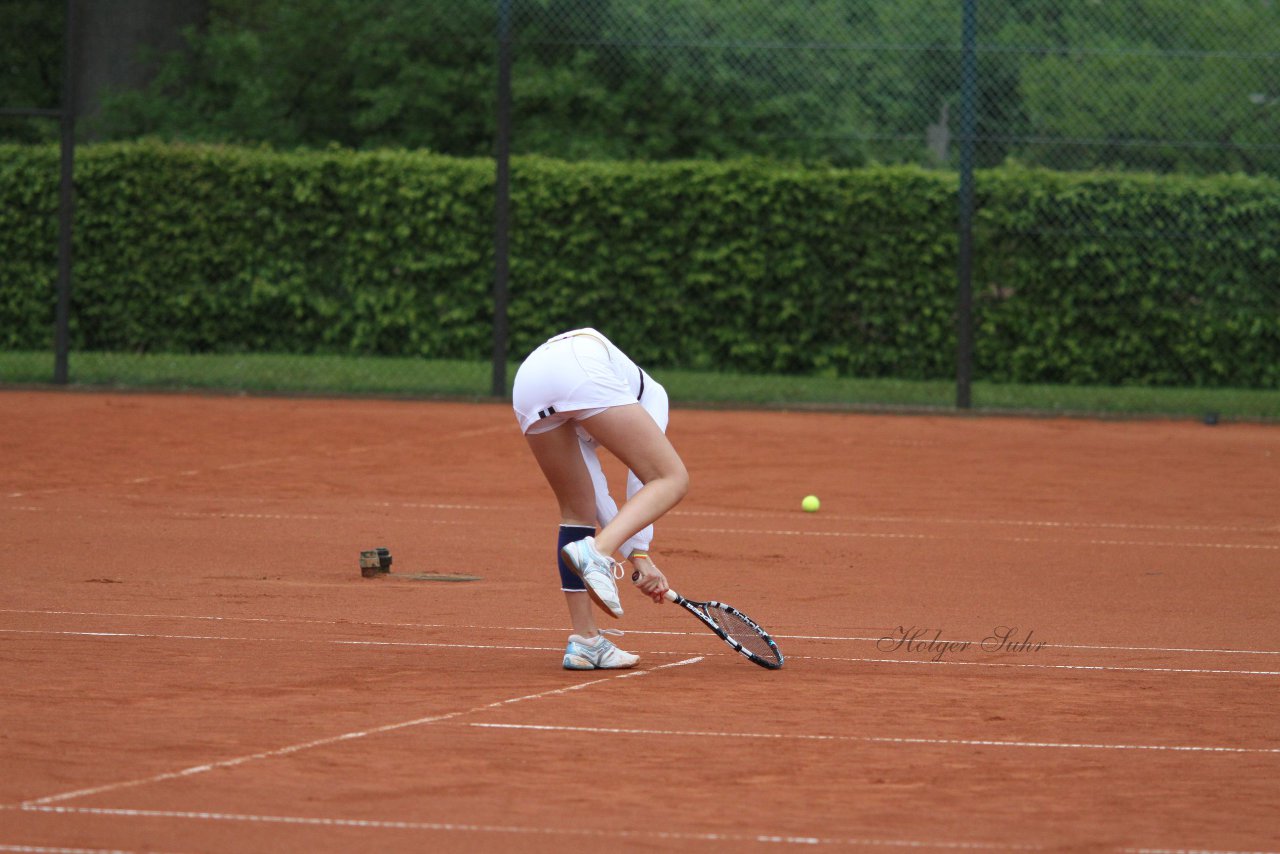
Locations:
648 578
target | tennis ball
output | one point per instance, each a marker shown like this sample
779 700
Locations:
810 504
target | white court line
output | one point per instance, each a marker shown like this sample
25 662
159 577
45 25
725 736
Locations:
1186 649
1097 667
1186 851
243 464
428 644
962 742
892 520
333 642
826 517
41 849
221 515
321 742
1246 546
1027 523
885 536
416 506
781 532
655 835
557 630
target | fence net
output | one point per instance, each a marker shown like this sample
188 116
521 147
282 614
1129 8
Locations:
1171 281
1126 157
1150 85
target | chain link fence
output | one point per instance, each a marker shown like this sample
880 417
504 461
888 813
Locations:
1169 275
1122 159
1146 85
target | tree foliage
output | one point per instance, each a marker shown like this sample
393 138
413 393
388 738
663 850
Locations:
317 72
30 66
1157 85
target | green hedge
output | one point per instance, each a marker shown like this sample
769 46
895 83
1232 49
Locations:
204 249
743 266
1135 279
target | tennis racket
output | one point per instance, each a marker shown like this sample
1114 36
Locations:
733 627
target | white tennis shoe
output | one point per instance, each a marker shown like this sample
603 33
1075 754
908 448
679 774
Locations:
598 572
597 653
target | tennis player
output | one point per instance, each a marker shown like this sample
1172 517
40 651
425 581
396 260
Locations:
574 393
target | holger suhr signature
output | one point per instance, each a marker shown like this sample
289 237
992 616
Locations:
931 642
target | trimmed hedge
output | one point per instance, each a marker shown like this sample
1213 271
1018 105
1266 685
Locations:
205 249
1133 279
742 266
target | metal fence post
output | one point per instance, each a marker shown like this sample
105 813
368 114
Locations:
66 200
502 203
964 273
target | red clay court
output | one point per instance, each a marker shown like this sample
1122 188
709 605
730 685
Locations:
192 662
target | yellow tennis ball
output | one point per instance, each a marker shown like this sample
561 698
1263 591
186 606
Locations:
810 504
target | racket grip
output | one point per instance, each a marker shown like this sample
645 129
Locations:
670 595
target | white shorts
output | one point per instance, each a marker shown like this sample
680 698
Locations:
573 377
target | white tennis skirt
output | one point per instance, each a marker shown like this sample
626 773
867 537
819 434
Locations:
572 377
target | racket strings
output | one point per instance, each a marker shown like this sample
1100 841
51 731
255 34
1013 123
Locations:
745 632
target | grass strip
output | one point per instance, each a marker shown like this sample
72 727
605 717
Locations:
441 378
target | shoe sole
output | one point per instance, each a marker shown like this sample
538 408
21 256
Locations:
594 596
571 663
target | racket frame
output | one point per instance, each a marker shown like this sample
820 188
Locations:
697 609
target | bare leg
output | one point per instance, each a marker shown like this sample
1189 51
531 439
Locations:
581 613
560 458
633 437
657 404
561 462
